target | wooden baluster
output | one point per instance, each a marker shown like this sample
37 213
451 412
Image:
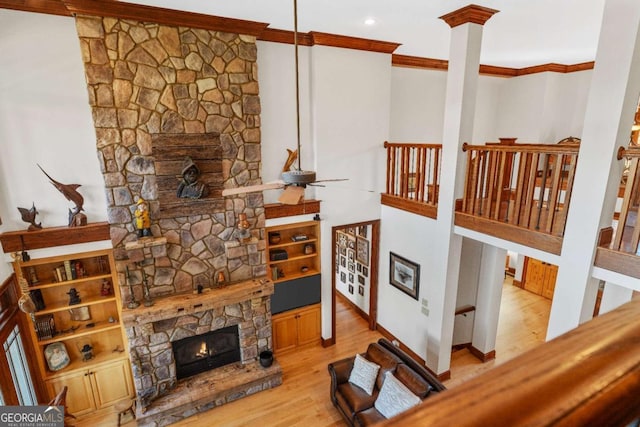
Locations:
501 160
554 194
468 183
524 163
422 165
388 183
435 181
573 161
531 190
626 205
490 182
481 184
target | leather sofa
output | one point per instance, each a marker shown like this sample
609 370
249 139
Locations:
355 405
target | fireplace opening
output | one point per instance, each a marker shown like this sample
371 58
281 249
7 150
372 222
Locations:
204 352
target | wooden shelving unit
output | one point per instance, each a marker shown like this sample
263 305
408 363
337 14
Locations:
94 320
296 299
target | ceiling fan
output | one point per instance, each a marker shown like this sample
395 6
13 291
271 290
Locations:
293 181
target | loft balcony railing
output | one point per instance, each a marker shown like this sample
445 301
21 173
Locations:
413 172
519 192
618 248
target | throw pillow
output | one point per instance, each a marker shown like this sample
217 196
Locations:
364 374
394 397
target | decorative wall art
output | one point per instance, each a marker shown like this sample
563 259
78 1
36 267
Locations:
351 255
350 277
404 274
351 267
343 261
351 243
56 356
362 231
361 290
365 271
361 279
362 251
343 277
351 289
342 240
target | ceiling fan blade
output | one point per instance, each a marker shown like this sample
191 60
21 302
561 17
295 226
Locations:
292 195
253 188
331 180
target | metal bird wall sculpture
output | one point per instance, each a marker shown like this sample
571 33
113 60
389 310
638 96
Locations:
29 215
70 192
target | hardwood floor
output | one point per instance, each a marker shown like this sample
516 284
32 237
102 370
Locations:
303 398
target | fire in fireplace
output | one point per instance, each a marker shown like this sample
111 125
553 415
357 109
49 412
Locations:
204 352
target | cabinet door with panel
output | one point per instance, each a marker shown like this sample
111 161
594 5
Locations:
79 393
111 383
296 328
540 277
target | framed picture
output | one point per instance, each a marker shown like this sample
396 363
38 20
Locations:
365 271
351 230
362 251
56 356
361 279
352 267
361 290
351 243
359 267
351 289
342 239
343 250
343 277
362 231
343 261
404 274
351 255
80 314
350 277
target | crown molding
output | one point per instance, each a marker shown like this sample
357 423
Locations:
490 70
469 14
334 40
118 9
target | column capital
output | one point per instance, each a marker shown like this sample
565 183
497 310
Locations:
472 13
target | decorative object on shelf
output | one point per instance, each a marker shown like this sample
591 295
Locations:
80 314
143 221
56 356
25 303
299 237
148 302
190 187
304 269
278 255
76 217
87 352
274 273
29 215
243 227
274 238
106 289
38 300
45 327
132 298
266 358
220 278
404 274
74 297
309 249
79 269
33 276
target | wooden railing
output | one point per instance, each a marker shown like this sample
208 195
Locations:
413 172
617 251
523 185
589 376
627 232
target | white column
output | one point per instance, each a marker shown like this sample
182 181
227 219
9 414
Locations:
609 114
491 279
460 101
614 296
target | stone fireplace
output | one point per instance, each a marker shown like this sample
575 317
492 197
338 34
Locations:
240 312
159 93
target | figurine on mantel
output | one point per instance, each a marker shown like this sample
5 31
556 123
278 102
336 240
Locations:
143 221
74 297
29 215
76 217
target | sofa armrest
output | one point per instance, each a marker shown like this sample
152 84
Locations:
340 372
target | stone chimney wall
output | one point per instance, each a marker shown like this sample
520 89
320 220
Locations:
145 80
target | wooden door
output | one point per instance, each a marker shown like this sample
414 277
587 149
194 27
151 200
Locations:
79 394
111 383
308 325
285 332
534 278
549 284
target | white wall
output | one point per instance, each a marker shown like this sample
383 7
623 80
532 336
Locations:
399 313
45 119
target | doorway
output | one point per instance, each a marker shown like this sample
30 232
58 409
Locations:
354 269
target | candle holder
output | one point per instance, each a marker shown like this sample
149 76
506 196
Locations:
148 302
132 298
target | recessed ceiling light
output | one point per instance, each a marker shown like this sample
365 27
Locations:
370 21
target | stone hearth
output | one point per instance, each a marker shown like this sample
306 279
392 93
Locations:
151 330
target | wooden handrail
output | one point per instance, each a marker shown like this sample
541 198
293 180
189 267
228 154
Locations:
527 148
589 376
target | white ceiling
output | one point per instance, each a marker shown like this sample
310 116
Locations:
523 33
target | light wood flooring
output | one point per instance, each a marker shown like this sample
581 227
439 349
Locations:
303 398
